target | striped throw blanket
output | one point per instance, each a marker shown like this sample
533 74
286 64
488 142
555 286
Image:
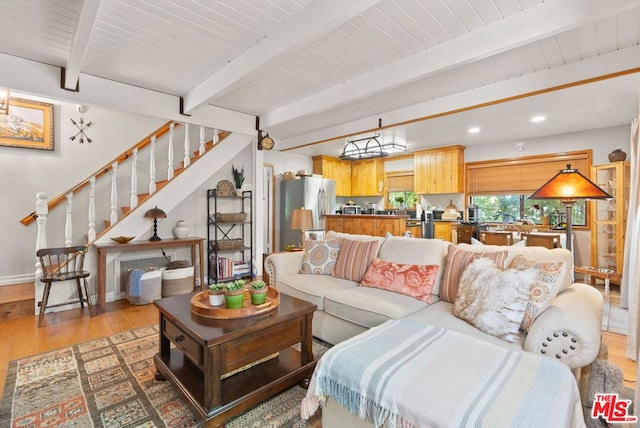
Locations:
407 374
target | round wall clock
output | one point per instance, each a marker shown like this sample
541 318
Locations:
267 143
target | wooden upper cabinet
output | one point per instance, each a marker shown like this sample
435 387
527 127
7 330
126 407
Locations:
336 169
367 177
439 170
357 178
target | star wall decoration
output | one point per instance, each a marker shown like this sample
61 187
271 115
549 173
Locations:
82 127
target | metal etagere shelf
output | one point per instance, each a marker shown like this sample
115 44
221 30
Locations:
229 236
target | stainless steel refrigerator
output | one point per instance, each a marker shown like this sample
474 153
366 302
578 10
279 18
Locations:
313 193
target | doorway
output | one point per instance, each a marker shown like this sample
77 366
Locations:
268 180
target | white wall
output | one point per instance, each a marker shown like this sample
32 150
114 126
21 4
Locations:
24 173
284 162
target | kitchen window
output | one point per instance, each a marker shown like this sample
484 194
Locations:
509 208
501 187
398 190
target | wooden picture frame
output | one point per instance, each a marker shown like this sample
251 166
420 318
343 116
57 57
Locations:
37 120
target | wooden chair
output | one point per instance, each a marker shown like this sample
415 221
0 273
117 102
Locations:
496 238
541 240
63 264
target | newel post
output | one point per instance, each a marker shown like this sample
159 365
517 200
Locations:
42 209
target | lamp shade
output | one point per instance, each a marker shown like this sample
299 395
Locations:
570 184
301 219
155 213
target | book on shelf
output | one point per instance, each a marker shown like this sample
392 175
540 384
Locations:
227 269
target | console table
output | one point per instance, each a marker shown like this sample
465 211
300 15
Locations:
104 248
608 275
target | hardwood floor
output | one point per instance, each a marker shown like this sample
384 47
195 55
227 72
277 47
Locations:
21 336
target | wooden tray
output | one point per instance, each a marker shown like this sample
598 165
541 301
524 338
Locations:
200 306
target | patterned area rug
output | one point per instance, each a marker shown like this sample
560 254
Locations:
109 382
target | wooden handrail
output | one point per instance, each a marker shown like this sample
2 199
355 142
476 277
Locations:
54 202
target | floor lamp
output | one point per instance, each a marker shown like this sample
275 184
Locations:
301 219
568 186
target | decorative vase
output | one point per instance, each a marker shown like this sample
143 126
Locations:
216 299
258 297
545 220
181 230
234 299
617 155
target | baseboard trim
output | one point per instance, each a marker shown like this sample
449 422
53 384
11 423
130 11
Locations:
17 279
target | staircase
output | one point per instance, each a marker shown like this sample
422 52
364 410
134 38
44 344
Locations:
166 189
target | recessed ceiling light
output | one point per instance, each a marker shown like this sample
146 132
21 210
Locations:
473 130
538 118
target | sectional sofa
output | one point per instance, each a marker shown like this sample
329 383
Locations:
562 320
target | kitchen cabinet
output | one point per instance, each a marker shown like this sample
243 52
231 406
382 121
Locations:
366 224
444 230
336 169
334 223
608 218
357 178
439 170
416 231
367 177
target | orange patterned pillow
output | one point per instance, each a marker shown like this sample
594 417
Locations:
412 280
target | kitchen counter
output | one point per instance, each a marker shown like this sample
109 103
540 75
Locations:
367 224
366 216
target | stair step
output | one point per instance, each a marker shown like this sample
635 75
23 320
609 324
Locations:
17 300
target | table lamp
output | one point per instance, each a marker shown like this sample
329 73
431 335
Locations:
569 185
301 219
155 214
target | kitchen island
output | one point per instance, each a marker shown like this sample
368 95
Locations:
367 224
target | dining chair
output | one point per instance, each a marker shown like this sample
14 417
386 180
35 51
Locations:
63 264
541 240
496 238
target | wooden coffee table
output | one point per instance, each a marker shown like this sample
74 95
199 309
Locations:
206 348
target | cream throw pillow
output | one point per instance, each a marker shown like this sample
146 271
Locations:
544 290
494 300
320 256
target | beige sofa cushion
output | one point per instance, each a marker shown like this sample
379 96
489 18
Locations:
440 314
312 288
370 307
416 251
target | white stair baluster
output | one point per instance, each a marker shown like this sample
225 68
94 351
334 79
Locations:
201 150
187 160
114 193
68 225
216 136
91 235
170 157
134 179
152 167
42 209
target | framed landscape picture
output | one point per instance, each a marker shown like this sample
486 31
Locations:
28 125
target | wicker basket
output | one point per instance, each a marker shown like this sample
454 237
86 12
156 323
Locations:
231 217
227 244
177 281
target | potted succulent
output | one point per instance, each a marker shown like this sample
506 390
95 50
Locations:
216 294
238 179
234 294
258 292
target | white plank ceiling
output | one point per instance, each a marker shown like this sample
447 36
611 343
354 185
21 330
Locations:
325 69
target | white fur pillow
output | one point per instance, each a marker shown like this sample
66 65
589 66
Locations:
494 300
